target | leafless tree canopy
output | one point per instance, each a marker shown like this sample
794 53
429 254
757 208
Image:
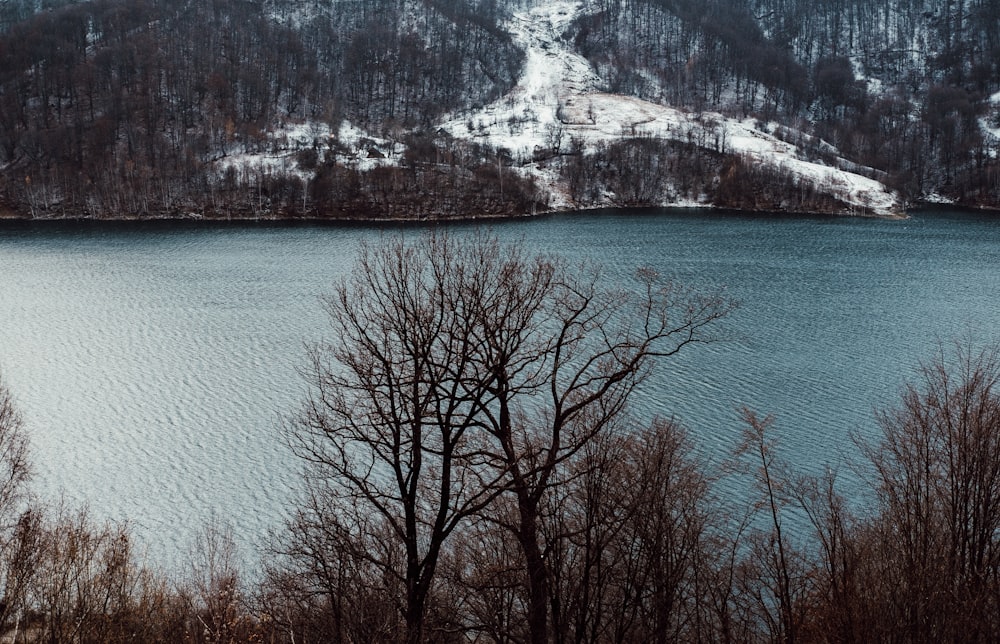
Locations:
462 372
938 485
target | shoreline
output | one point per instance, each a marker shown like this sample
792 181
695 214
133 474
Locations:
8 216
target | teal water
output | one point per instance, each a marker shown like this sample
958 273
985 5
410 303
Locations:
155 363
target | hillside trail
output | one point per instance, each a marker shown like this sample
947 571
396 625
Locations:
527 117
552 68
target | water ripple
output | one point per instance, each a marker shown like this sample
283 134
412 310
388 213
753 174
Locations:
154 366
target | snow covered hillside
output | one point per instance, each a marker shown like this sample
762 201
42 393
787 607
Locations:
558 102
462 108
559 108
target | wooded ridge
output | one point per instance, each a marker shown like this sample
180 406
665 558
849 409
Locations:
462 108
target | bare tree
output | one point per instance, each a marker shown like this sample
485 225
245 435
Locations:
923 564
938 486
565 356
462 371
775 579
333 581
212 592
87 584
389 430
837 607
14 468
18 527
624 539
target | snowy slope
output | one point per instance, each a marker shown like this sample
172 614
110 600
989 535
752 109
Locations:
558 101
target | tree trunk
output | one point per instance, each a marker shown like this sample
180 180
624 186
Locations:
537 574
414 622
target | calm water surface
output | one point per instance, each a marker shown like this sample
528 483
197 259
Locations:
154 364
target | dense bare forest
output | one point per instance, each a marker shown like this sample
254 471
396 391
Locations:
291 108
472 473
127 107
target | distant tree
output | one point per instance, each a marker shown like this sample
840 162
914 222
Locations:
835 85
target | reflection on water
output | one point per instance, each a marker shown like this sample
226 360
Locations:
155 363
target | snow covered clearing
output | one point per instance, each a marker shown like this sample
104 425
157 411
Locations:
524 118
285 143
937 198
363 151
351 145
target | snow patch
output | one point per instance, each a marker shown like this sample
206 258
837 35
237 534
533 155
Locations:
873 85
293 14
350 145
938 199
990 126
527 117
300 135
283 144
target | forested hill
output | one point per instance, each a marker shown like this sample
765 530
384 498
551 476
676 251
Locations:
455 108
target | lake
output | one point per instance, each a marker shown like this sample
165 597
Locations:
155 363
